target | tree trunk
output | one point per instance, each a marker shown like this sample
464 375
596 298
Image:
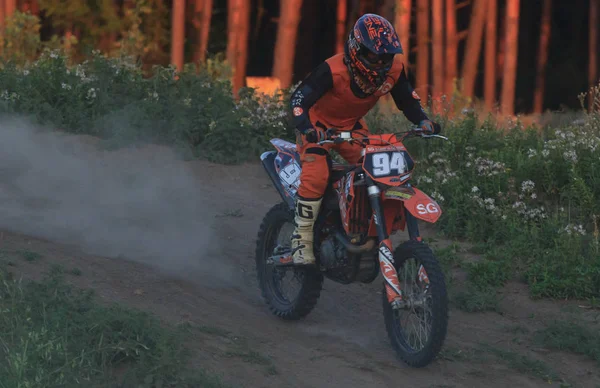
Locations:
2 24
593 64
386 9
451 47
285 45
473 49
510 61
233 20
538 98
342 9
31 6
2 12
367 6
202 22
354 11
491 44
402 25
438 47
9 7
422 71
241 57
178 33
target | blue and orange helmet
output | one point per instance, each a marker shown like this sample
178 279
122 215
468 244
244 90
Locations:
370 50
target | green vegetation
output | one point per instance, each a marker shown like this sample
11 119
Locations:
572 337
52 335
527 197
523 363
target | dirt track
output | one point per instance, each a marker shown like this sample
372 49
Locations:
342 343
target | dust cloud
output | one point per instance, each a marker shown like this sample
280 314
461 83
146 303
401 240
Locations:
142 204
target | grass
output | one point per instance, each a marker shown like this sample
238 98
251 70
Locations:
523 363
52 334
473 300
30 256
572 337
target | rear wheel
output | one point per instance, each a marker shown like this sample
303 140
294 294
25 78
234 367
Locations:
418 330
276 231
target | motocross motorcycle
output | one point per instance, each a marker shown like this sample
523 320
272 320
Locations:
363 205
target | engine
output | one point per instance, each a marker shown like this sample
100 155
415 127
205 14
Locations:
333 254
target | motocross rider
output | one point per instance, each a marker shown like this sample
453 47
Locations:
338 94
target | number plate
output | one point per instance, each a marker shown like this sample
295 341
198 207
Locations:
388 166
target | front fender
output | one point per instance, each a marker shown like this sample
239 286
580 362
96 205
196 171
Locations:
416 202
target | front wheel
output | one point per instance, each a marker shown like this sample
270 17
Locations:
276 231
418 329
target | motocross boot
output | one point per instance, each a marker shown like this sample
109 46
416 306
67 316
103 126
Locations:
302 239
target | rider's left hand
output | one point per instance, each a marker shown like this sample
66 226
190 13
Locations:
430 126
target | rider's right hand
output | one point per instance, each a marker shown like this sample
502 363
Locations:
314 135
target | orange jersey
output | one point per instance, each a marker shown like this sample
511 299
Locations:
339 107
326 99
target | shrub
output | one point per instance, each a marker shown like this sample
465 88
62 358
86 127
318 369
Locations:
527 194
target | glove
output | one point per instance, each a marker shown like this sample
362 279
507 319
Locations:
430 126
314 135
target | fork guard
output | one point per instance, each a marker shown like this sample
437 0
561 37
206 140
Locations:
416 202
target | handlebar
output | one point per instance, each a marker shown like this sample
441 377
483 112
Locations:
346 136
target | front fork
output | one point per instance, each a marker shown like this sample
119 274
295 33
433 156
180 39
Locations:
386 258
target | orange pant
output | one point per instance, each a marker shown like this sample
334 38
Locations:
316 162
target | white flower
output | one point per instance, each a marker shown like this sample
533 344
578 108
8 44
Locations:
531 153
91 94
25 72
533 196
545 153
570 155
65 86
475 189
527 186
437 196
573 229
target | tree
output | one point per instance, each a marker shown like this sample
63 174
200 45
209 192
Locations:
451 46
233 20
438 47
30 6
473 49
238 29
593 61
178 33
402 25
386 9
542 59
342 9
490 55
285 44
367 6
422 72
202 22
9 7
241 58
510 61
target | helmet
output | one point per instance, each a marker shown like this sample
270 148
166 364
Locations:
369 52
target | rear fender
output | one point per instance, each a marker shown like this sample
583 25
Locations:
283 167
416 202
